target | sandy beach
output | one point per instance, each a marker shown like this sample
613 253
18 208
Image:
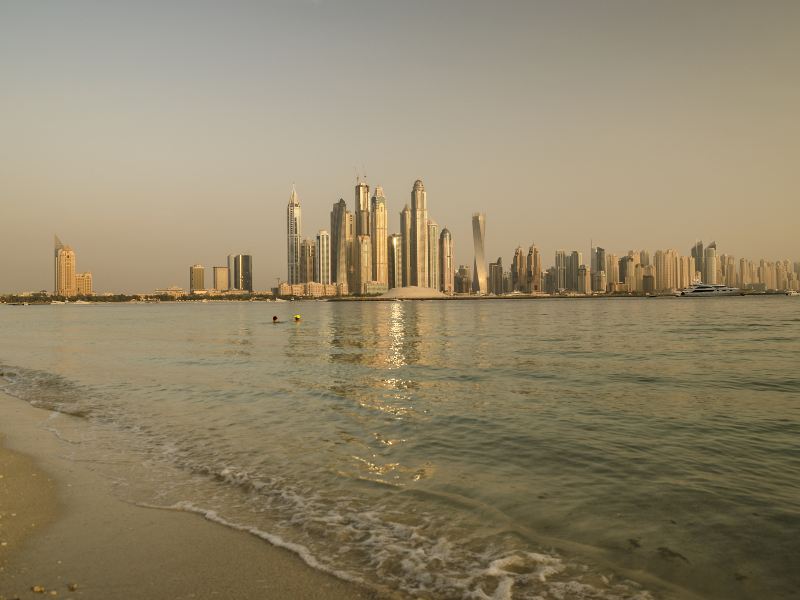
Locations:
63 532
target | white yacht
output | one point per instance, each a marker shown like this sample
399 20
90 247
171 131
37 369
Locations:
792 293
700 290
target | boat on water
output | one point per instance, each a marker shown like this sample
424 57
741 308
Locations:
792 293
705 290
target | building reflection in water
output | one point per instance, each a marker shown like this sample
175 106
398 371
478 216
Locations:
374 349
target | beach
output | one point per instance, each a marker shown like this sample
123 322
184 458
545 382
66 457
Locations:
62 527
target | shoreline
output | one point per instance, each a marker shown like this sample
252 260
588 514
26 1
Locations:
80 534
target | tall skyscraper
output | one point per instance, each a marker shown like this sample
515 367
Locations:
710 265
221 280
339 242
534 268
308 251
496 277
240 272
560 282
379 235
574 261
323 257
447 265
352 249
64 273
479 280
697 254
434 278
405 234
363 263
519 276
197 278
419 235
363 225
395 260
293 232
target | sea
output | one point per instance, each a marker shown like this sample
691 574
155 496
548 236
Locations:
626 448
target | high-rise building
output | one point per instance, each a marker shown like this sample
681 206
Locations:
434 279
351 247
322 270
339 242
612 272
419 235
560 283
363 263
574 260
197 277
405 234
519 276
480 285
710 265
293 233
463 280
308 251
598 265
83 284
363 225
379 234
697 254
583 283
496 277
240 272
221 279
534 268
447 269
64 273
395 260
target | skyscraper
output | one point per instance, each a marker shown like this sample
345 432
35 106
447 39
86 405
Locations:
308 251
395 260
322 271
574 261
496 276
351 248
293 232
240 272
519 276
363 225
363 263
534 268
697 253
197 276
434 280
64 273
447 265
419 236
479 282
221 279
339 242
405 234
379 235
560 282
710 265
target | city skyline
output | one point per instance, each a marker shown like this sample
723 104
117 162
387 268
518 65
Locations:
615 133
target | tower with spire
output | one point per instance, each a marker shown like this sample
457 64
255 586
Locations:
293 234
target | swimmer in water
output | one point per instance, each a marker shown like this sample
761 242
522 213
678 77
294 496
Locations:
297 318
274 320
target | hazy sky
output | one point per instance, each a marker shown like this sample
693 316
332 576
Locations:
150 136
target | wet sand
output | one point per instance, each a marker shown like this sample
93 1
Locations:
62 527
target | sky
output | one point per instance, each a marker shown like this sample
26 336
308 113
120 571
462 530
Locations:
151 136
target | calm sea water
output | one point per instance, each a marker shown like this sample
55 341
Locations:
625 448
